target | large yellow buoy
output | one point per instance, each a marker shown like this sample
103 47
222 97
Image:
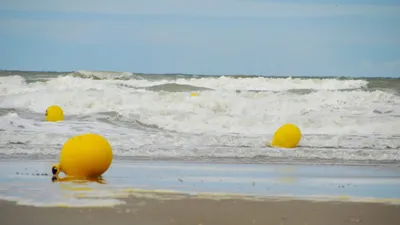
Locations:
86 155
54 113
287 136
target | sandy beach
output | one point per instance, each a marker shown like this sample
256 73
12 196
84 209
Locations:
207 212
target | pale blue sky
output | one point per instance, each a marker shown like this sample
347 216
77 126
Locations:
267 37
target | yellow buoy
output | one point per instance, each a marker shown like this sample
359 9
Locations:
287 136
86 155
193 94
54 113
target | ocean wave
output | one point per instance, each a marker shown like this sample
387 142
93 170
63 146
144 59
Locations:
29 136
230 117
17 84
226 82
273 84
327 111
103 75
174 87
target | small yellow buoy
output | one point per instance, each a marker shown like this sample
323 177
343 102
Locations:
287 136
85 156
193 94
54 113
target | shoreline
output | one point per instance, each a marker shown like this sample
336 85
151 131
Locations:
220 160
23 180
171 193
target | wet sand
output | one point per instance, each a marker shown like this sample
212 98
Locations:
144 211
157 193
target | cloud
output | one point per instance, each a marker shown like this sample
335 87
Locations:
208 8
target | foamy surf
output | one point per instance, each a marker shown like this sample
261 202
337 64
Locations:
342 120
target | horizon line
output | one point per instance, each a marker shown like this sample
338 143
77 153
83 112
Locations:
190 74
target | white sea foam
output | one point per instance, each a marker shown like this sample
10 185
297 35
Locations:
352 124
102 75
229 83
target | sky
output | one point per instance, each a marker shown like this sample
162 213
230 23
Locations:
216 37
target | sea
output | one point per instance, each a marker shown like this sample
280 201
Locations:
185 117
